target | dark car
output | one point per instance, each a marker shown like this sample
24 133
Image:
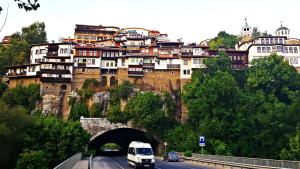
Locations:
171 156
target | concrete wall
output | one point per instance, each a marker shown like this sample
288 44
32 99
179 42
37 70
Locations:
13 82
79 76
156 80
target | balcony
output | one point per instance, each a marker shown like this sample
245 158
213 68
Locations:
149 65
16 74
135 73
52 53
56 71
173 66
56 79
81 64
186 53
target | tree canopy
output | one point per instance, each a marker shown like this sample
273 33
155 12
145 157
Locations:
223 40
26 5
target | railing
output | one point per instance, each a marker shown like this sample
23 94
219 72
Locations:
52 53
70 163
135 73
149 64
173 66
56 79
244 161
90 162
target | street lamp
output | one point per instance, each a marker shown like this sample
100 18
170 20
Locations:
165 143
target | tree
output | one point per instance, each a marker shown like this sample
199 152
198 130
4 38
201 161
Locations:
145 110
273 75
28 6
77 110
256 33
24 96
293 151
56 139
32 160
34 33
223 40
14 125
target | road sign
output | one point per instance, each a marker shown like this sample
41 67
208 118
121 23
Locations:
202 141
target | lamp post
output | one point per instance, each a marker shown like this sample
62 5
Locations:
165 143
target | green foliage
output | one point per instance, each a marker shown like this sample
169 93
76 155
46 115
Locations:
24 96
111 146
257 110
293 151
96 110
170 105
88 88
223 40
256 33
116 115
3 88
14 125
18 52
145 110
187 154
77 110
32 160
220 63
57 139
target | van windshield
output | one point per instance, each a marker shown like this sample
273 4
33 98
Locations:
144 151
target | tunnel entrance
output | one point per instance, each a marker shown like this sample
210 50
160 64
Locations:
121 137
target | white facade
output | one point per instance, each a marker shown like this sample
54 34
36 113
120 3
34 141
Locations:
37 53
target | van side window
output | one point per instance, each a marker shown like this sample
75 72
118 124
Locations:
131 151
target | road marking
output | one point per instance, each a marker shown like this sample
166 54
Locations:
117 164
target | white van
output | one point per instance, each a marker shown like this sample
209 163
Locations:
140 155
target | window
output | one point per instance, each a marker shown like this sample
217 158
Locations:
267 41
280 41
188 72
263 49
84 53
184 72
111 64
104 54
268 50
291 50
155 50
258 49
285 50
91 53
276 40
147 51
293 61
80 53
107 64
116 53
295 49
93 61
279 48
185 62
108 54
123 62
112 54
95 53
36 52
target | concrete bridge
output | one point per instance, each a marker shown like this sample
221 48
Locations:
103 131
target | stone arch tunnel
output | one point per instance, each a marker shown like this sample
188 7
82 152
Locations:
122 137
104 132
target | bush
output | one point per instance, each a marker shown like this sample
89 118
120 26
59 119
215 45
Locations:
187 154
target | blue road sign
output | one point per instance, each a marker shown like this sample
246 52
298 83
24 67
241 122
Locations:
201 141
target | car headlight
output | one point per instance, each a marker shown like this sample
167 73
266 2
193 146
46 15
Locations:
153 160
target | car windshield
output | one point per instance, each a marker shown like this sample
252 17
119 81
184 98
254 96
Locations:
144 151
173 153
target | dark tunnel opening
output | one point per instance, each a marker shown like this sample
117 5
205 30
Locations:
122 137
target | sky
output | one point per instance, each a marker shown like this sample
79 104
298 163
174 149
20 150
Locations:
191 20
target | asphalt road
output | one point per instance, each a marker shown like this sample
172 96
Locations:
101 162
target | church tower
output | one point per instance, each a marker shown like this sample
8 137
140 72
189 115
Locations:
283 31
246 32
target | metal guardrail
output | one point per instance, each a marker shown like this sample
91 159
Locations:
90 162
244 161
70 162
